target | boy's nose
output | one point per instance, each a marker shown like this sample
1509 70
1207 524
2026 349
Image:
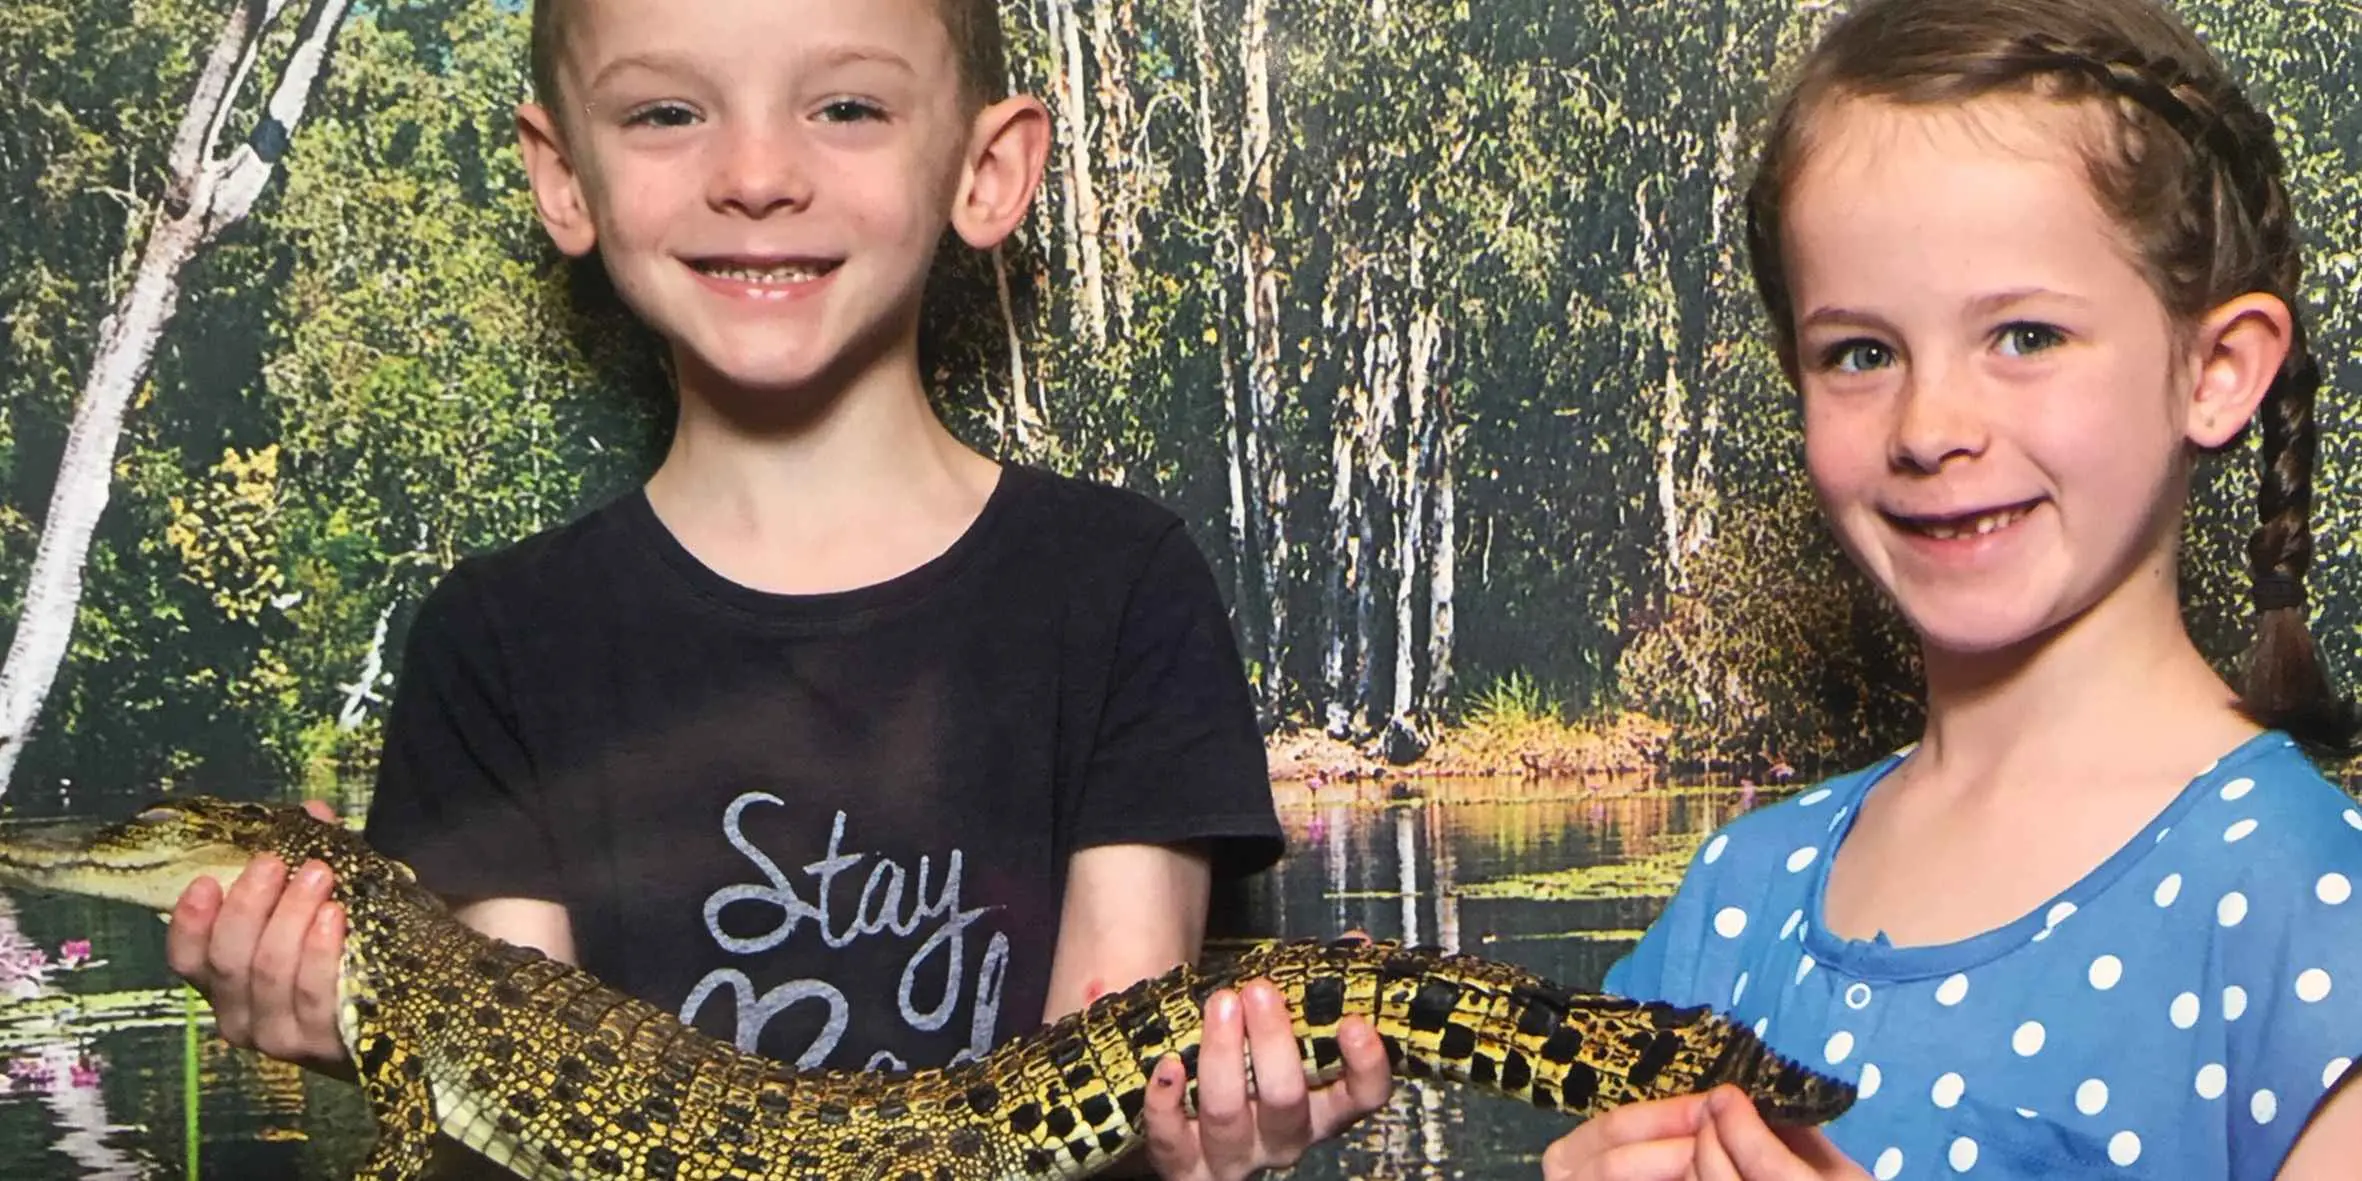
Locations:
1937 416
760 171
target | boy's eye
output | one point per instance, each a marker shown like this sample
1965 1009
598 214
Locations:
2026 338
850 110
661 115
1857 356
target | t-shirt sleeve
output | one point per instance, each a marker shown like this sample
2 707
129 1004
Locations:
2297 956
456 796
1177 757
1663 966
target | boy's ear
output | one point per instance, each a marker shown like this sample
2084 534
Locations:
557 186
2236 355
1008 145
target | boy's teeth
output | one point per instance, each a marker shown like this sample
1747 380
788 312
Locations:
1977 526
785 273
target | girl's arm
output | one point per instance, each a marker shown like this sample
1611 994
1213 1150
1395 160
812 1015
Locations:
2332 1141
1134 911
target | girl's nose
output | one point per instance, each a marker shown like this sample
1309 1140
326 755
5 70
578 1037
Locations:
1937 417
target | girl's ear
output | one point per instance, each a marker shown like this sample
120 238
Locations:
1008 146
2236 355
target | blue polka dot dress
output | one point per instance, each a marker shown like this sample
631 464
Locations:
2177 1012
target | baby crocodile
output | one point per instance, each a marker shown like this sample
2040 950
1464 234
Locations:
551 1074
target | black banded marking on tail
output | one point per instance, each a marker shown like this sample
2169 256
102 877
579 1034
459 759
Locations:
1433 1005
1652 1061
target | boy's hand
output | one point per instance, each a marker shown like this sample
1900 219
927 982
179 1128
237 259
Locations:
1734 1144
1653 1141
266 956
1234 1137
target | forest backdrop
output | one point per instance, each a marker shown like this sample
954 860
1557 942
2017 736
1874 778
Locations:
1430 317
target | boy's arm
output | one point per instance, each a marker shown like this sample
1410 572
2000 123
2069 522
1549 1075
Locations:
1133 911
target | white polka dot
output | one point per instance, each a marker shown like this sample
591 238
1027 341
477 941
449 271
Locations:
1801 858
1963 1155
2240 831
2234 1002
2106 971
1729 922
2353 818
1804 968
2027 1113
2092 1097
2058 914
1948 1090
2334 1071
1889 1165
1953 990
2312 985
2265 1106
1857 996
1714 849
2232 910
1870 1081
1789 928
2169 889
2333 888
2237 789
1840 1047
1761 1024
2124 1148
2027 1041
1810 798
2184 1012
1738 990
2160 838
2211 1081
1838 819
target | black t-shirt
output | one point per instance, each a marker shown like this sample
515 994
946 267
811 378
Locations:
831 828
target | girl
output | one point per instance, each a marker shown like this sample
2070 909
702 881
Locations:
2026 261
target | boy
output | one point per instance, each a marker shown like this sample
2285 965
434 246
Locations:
983 727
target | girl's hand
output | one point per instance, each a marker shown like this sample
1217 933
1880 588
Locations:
1233 1137
1735 1144
266 957
1653 1141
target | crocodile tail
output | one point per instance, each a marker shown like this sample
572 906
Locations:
1500 1028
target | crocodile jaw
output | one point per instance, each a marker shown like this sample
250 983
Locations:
154 881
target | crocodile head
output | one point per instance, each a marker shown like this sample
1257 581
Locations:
149 859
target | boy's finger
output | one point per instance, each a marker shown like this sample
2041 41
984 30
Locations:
1710 1161
1225 1125
279 952
1283 1120
1172 1135
320 811
1677 1118
315 979
245 911
191 931
1647 1160
1367 1081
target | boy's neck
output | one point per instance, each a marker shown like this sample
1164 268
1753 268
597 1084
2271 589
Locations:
804 492
2120 693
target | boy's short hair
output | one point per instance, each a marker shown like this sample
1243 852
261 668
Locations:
976 44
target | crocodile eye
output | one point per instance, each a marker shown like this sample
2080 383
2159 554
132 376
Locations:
157 815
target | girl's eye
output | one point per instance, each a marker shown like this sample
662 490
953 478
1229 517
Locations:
661 115
2026 339
850 110
1857 356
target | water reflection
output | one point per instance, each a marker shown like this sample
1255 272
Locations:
1557 876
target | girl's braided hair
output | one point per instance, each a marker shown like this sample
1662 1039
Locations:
2192 175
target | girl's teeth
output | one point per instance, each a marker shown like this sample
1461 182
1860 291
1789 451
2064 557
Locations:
766 274
1979 526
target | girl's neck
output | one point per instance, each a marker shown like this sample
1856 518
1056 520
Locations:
2119 693
817 490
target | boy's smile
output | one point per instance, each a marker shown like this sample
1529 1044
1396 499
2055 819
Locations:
1995 419
766 181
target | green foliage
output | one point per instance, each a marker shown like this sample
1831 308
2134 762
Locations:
1514 700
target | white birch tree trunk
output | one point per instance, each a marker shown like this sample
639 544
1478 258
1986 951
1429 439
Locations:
1082 208
1234 442
1410 509
1259 283
1339 661
1443 563
205 195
